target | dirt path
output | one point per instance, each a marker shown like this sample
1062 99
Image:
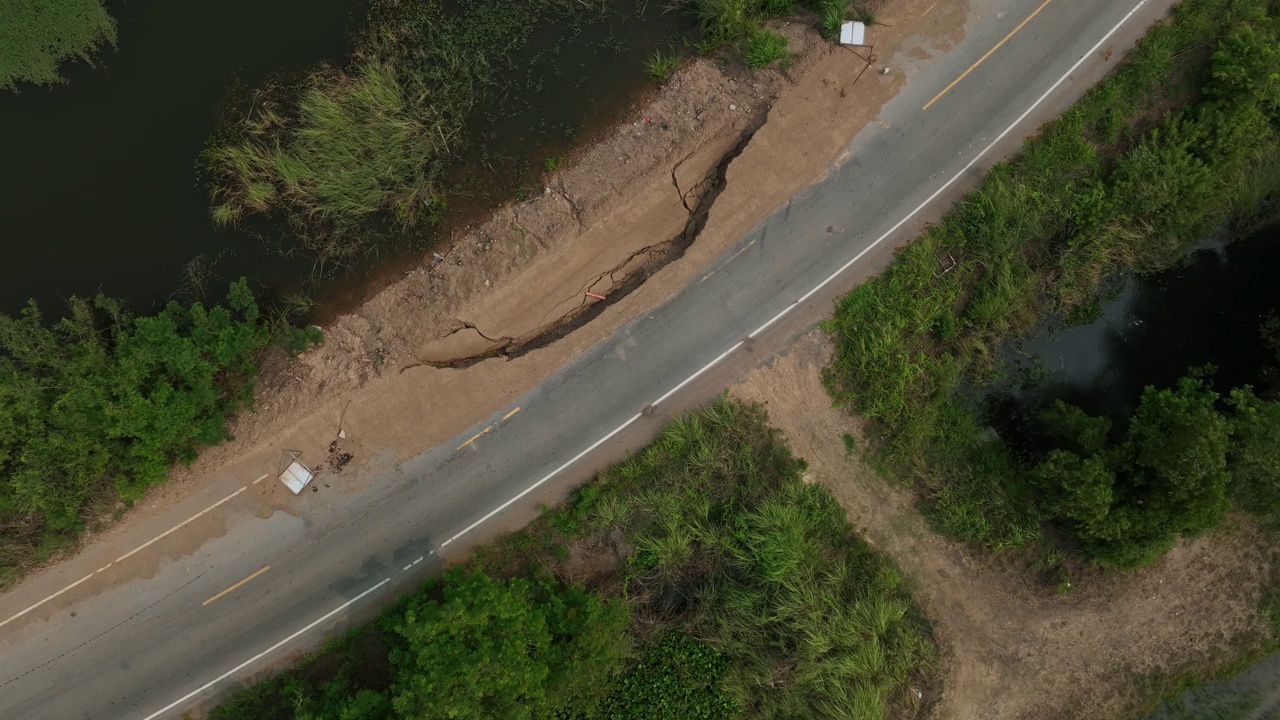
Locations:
1013 647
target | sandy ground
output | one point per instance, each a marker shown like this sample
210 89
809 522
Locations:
1013 648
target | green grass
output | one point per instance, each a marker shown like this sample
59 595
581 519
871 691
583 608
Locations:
734 548
661 66
355 144
1096 192
762 48
37 36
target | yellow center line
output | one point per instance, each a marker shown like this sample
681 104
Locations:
474 438
983 59
477 436
233 587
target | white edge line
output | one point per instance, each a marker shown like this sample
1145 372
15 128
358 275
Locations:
33 607
122 557
687 380
179 525
264 477
262 654
549 475
955 177
694 376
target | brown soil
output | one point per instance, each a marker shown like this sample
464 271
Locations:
1012 646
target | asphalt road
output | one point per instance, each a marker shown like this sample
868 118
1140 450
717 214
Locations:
150 648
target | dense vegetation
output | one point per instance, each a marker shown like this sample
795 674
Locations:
1181 138
1169 475
746 594
38 35
100 405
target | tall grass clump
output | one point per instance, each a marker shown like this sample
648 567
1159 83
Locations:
360 147
36 36
661 66
763 48
1128 179
733 547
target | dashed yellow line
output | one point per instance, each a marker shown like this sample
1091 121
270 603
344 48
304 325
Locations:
233 587
477 436
983 59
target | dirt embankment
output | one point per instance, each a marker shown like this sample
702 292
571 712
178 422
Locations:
1013 648
630 219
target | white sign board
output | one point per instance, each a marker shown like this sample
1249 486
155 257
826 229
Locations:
853 33
296 476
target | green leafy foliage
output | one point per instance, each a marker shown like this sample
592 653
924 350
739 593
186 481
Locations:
105 400
367 141
1130 501
1254 461
677 677
1093 194
36 36
493 649
355 151
747 593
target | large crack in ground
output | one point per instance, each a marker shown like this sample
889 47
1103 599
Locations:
697 200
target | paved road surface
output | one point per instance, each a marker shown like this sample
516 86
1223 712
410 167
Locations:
153 647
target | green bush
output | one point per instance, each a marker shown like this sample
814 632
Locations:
732 543
749 592
104 400
1131 500
470 646
36 36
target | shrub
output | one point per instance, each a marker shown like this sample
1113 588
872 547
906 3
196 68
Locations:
470 646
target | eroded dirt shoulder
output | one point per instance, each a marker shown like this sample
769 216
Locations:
1013 647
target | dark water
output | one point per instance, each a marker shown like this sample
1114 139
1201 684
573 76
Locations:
99 190
1252 695
1211 309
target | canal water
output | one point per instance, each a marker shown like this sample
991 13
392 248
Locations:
1211 309
100 188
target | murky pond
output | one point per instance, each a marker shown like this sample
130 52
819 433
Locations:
1211 309
100 189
